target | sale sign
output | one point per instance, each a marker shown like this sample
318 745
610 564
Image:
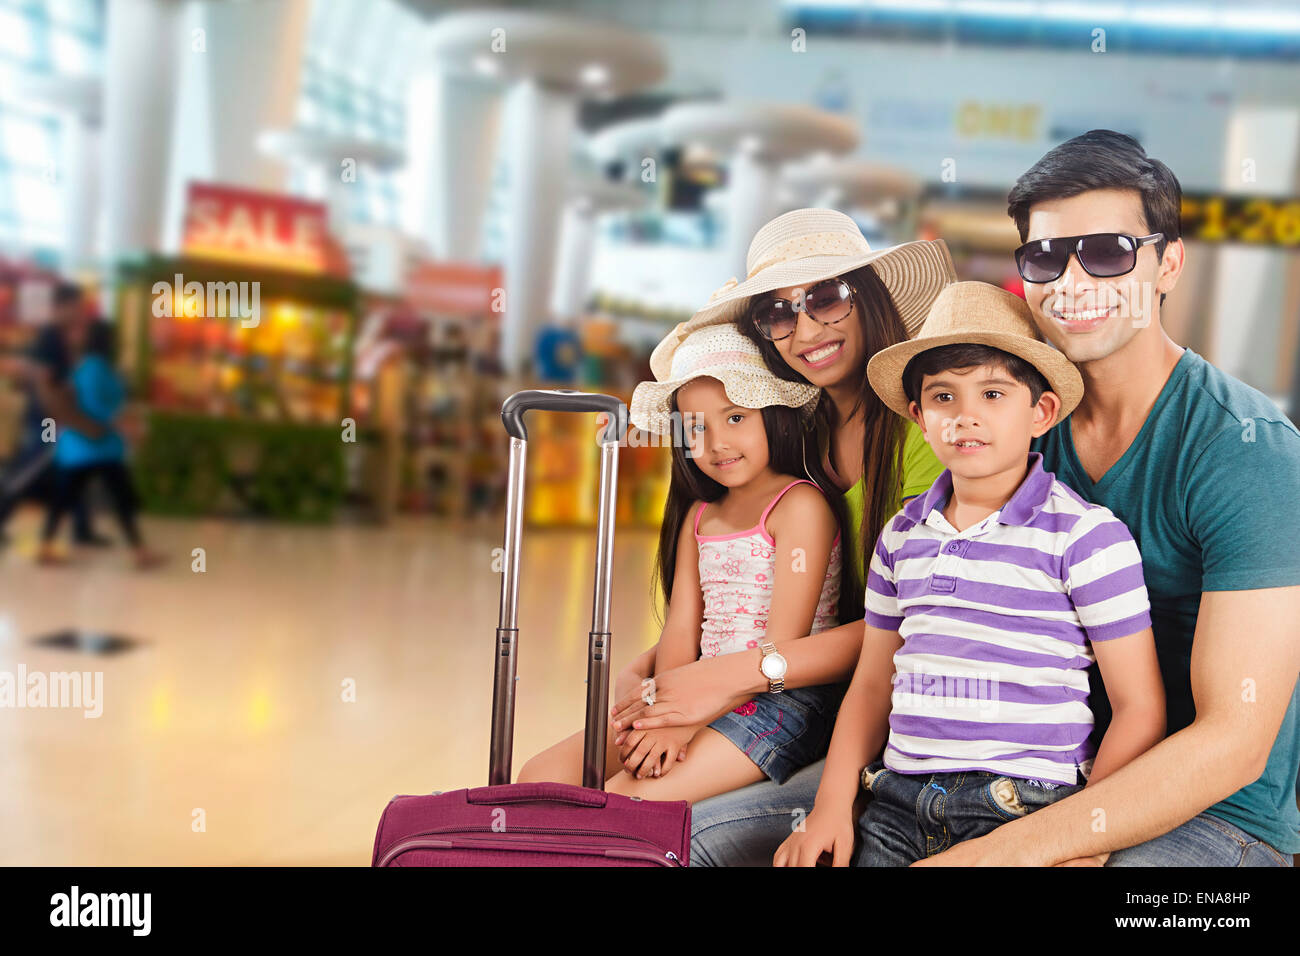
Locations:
243 225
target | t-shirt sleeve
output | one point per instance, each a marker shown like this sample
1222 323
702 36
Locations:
1103 569
1241 501
920 466
882 609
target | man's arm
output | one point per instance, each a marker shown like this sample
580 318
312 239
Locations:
1245 662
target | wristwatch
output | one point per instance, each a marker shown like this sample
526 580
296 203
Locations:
773 667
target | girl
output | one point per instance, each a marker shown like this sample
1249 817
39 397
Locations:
749 554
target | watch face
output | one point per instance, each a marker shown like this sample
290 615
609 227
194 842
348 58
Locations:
773 666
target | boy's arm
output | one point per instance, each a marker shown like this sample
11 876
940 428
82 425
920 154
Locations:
1131 673
862 723
1244 639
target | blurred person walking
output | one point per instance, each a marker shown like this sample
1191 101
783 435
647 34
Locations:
43 371
81 456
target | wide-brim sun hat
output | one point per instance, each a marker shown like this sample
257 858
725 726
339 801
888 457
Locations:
721 352
980 314
807 246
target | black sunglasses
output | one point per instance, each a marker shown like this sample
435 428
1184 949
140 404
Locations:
828 302
1103 255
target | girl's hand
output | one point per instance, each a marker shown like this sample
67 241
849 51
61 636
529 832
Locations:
828 833
690 695
654 753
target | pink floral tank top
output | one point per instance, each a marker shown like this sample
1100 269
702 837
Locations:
736 575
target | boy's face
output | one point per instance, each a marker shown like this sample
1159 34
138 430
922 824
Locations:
1088 318
979 420
728 442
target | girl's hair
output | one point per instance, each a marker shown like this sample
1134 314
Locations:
882 445
787 437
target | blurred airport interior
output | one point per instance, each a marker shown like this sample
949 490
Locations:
328 237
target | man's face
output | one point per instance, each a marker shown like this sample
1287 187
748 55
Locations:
979 420
1088 318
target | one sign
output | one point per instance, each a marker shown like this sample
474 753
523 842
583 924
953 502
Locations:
456 289
241 225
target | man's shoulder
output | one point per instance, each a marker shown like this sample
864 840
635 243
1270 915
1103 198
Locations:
1219 403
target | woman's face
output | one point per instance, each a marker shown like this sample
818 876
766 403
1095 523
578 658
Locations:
826 355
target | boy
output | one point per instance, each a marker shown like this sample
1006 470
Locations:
989 597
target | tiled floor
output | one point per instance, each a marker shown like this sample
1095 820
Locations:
233 703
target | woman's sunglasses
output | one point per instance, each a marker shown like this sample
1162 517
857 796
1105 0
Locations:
828 302
1103 255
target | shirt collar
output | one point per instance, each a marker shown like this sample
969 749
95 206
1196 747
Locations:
1021 508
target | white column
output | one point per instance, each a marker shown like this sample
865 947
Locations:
81 159
239 72
540 125
139 88
752 184
452 129
573 263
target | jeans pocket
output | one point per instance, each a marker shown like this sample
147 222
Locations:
873 775
1003 797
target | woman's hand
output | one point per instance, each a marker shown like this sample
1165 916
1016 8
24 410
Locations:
693 694
831 833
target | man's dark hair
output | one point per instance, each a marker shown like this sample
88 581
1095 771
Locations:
1102 159
67 293
969 355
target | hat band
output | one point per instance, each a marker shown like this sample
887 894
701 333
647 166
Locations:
688 364
802 247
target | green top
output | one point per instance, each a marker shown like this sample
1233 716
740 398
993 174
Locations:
1208 489
920 469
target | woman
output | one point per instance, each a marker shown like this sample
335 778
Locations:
819 302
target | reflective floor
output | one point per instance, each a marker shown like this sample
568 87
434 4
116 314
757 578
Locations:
278 698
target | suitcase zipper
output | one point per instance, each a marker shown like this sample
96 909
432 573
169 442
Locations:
430 840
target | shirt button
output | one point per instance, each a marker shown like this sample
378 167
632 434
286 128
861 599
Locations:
954 547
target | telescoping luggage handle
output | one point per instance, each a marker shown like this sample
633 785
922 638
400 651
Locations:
503 691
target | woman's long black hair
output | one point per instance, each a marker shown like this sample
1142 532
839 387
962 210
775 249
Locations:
787 439
884 433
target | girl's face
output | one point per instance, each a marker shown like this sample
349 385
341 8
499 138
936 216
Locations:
826 355
729 443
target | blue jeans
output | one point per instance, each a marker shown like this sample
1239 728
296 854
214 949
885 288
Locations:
783 733
745 827
916 815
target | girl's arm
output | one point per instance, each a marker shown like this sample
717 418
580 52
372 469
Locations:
803 526
679 643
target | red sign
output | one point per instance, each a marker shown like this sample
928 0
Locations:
456 289
242 225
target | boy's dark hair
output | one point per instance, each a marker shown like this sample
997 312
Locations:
970 355
1102 159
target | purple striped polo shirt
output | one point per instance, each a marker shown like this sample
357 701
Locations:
996 622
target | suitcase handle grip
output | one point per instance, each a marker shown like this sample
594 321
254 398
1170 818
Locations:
556 792
563 400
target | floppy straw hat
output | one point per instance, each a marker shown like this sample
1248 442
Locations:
981 314
809 245
721 352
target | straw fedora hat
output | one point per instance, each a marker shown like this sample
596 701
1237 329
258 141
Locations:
809 245
721 352
981 314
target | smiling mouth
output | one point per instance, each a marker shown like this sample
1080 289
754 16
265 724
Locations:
1083 315
822 352
726 462
969 443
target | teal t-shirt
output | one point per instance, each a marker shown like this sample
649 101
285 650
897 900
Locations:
1210 489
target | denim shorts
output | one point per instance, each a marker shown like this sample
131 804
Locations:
783 733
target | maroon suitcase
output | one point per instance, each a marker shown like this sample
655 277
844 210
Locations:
542 824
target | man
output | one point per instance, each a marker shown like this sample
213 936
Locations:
1205 471
29 474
